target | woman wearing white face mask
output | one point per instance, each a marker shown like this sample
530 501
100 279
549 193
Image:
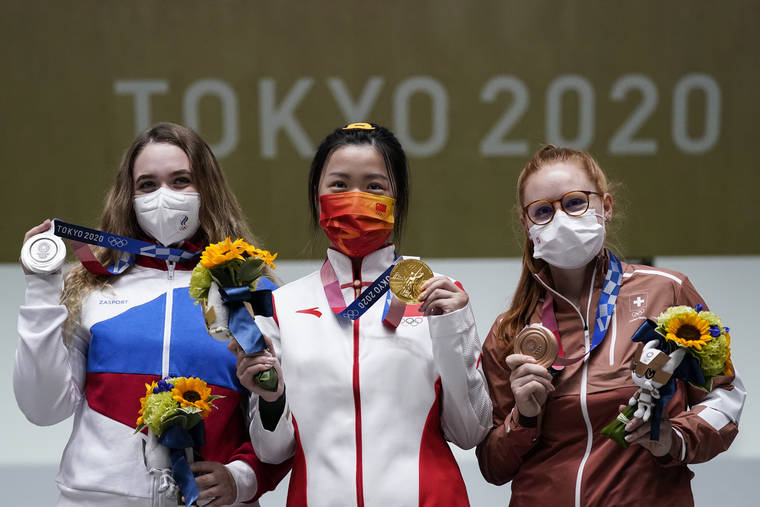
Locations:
90 341
547 421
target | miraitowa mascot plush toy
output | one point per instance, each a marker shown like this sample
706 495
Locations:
650 372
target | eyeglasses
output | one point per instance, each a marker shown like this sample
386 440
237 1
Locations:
574 203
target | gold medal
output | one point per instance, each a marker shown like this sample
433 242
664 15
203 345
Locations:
538 342
406 279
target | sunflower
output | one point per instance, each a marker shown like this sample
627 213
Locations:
219 253
688 330
192 392
148 391
264 255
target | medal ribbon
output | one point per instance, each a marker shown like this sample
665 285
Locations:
80 237
392 313
604 311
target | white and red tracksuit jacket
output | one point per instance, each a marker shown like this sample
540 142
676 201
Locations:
141 327
562 459
369 407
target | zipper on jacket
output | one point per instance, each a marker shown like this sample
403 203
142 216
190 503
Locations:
584 379
168 324
584 401
170 265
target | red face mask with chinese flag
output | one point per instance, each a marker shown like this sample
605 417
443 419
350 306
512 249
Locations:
357 223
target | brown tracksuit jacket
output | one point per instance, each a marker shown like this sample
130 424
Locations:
562 459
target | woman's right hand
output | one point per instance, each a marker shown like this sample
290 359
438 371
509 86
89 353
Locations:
44 226
249 365
530 383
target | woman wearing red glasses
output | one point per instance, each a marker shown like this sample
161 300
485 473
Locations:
372 398
547 421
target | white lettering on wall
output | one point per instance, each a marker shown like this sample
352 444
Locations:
275 118
359 110
228 99
439 128
141 89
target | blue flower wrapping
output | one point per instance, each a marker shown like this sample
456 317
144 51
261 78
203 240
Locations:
177 439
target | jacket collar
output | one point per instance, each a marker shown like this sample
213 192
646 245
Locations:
194 244
372 264
601 261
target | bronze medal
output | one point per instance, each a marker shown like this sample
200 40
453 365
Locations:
538 342
406 279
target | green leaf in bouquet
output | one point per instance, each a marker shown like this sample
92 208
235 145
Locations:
187 417
267 379
616 429
222 275
251 269
200 282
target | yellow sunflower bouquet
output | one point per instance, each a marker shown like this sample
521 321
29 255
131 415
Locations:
179 401
229 264
230 283
173 410
696 335
703 335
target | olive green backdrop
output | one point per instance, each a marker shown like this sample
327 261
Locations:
664 94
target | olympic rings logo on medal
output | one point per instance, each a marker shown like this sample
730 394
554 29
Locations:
352 314
117 242
411 321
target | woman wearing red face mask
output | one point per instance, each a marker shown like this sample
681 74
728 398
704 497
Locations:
373 396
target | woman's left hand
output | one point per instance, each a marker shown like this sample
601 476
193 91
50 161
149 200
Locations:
440 295
215 482
638 433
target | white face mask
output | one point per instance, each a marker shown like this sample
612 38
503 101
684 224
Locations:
168 215
568 242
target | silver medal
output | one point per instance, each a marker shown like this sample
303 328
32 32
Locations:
43 253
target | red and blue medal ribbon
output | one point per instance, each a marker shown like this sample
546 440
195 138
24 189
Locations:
392 313
606 307
80 237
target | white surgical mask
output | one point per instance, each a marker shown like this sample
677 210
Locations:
168 215
568 242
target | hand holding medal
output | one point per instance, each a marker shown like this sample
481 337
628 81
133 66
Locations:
407 279
412 282
43 252
539 343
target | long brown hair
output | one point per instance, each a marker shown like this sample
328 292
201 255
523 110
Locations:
528 291
220 214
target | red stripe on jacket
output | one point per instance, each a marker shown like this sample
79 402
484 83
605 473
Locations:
441 481
297 486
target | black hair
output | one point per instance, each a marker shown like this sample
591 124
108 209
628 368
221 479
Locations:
384 142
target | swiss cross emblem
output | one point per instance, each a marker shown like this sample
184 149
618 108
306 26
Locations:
637 303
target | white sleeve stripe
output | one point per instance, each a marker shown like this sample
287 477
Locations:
729 403
653 272
714 418
683 444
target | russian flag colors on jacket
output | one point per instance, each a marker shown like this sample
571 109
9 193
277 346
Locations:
141 327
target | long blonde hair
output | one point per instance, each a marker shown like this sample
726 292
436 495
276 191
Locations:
528 291
220 214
